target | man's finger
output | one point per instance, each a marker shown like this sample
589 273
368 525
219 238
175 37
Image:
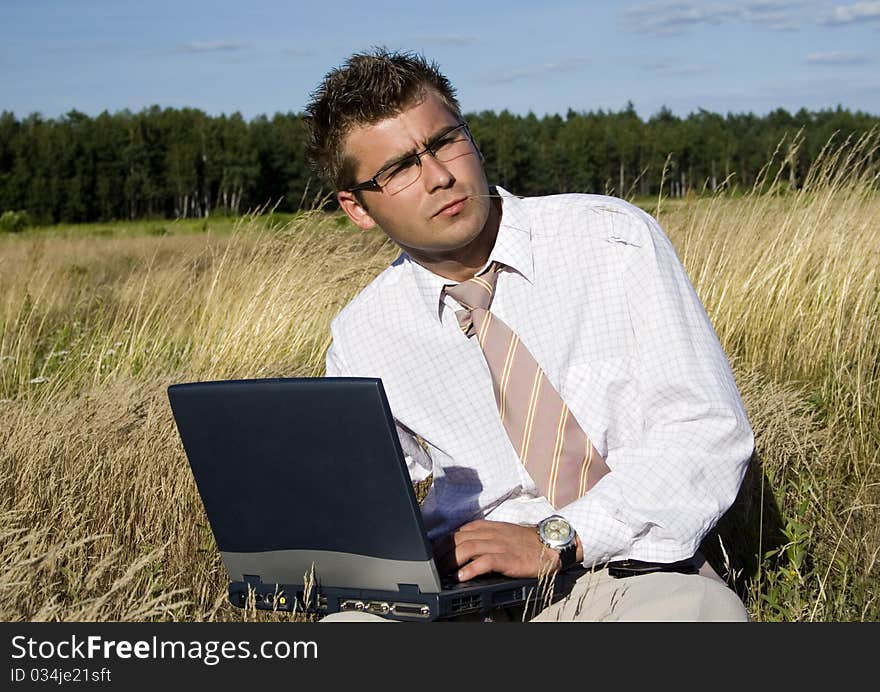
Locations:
452 541
484 564
465 552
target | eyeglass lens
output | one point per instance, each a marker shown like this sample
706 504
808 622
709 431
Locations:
403 174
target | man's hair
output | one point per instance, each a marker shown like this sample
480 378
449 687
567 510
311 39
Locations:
367 88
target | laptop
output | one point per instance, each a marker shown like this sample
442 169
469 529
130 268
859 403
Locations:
306 490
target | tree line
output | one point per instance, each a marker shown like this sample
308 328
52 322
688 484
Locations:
178 163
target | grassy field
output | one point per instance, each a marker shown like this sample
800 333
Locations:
100 517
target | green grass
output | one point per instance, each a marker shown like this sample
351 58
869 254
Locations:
161 227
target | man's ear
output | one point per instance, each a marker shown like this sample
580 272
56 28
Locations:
355 210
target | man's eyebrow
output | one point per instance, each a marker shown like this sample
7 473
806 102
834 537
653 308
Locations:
397 158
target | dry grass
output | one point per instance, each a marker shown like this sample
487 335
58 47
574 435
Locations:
791 282
104 521
101 518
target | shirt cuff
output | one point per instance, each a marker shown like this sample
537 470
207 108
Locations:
603 537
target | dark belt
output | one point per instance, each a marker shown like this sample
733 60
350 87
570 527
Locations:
633 568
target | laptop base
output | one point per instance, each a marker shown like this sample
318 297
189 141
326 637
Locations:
407 604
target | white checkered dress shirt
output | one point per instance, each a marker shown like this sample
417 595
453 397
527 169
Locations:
599 297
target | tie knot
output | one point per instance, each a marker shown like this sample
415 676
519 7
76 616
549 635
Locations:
476 292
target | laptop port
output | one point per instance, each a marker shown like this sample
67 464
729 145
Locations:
410 610
351 605
274 601
378 607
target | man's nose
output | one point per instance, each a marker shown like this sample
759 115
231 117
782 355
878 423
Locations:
435 175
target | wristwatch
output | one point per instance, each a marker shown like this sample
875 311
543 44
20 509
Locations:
555 532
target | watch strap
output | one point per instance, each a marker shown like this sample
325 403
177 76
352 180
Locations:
568 557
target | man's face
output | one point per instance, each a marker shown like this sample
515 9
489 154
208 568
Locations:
440 218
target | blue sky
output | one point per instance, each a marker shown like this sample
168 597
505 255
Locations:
265 56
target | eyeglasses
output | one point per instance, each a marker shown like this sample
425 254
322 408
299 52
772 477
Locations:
394 177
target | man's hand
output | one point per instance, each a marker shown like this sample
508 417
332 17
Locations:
485 546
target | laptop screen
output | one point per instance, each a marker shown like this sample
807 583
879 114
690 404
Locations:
305 463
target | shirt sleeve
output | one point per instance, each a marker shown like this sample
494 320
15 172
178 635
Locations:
418 462
682 471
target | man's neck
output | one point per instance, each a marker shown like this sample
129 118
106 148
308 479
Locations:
466 261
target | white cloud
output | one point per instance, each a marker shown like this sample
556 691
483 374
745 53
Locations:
209 47
850 14
775 14
837 57
673 17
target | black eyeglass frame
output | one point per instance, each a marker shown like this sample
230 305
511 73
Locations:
373 185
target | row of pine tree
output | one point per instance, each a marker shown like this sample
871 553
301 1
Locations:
177 163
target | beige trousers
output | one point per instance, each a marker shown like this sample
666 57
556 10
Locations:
584 596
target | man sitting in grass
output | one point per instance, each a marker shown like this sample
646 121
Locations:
546 359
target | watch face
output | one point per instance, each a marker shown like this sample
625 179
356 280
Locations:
556 530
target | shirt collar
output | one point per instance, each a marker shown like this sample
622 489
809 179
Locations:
513 247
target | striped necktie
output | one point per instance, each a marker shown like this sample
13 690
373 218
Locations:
555 451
